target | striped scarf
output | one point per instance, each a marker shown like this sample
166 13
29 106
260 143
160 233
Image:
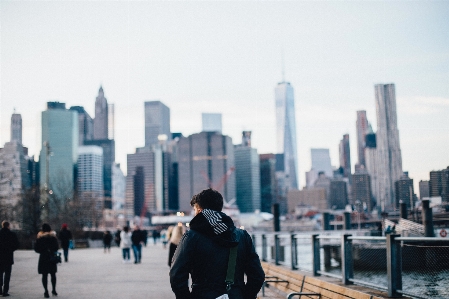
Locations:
215 220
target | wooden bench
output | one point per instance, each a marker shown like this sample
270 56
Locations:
296 284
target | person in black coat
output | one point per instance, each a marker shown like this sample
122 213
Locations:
107 238
8 244
65 236
204 253
46 245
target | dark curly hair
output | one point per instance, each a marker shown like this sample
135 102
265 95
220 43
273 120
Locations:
208 199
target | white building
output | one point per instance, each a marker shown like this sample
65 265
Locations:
286 131
389 160
90 169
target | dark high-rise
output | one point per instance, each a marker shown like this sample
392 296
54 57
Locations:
206 160
338 197
361 189
345 157
404 191
439 184
267 181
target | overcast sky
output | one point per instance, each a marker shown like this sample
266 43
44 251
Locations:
226 57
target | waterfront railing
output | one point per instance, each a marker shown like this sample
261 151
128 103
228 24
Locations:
417 267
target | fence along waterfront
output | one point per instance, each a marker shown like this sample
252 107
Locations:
413 266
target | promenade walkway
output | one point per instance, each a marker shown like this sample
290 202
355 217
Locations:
90 273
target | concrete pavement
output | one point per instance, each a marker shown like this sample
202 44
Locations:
90 273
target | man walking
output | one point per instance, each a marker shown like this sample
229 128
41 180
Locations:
137 238
204 252
8 244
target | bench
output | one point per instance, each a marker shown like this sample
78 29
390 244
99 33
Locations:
297 284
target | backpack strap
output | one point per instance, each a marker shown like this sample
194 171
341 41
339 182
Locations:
231 267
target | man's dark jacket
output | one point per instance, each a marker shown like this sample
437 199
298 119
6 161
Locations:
8 244
204 252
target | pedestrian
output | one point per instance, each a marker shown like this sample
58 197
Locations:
125 244
65 236
205 250
107 238
175 236
117 237
137 239
164 237
8 244
155 236
46 245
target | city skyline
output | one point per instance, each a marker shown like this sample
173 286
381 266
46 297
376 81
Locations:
66 51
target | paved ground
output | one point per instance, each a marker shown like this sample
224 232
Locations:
90 273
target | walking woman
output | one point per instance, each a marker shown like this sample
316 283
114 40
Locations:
46 245
125 244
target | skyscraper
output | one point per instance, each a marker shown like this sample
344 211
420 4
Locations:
147 182
101 116
59 149
85 123
90 170
247 175
211 122
371 165
157 122
362 130
389 160
321 161
16 127
286 131
345 157
361 189
404 191
206 160
267 181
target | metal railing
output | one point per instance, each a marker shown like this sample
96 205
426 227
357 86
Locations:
390 263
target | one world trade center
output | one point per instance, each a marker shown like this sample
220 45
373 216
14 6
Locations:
286 131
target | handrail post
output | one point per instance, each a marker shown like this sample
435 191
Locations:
264 248
294 251
316 255
347 266
276 249
394 266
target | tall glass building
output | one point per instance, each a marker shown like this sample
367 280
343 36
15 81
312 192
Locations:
286 131
157 122
389 158
247 176
59 149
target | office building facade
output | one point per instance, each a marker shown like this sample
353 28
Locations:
338 194
286 132
90 170
267 163
361 190
59 150
389 159
404 191
424 190
321 161
247 175
157 122
205 160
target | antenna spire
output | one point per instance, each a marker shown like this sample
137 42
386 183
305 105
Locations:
283 65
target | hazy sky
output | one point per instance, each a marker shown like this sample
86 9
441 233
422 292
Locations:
226 57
